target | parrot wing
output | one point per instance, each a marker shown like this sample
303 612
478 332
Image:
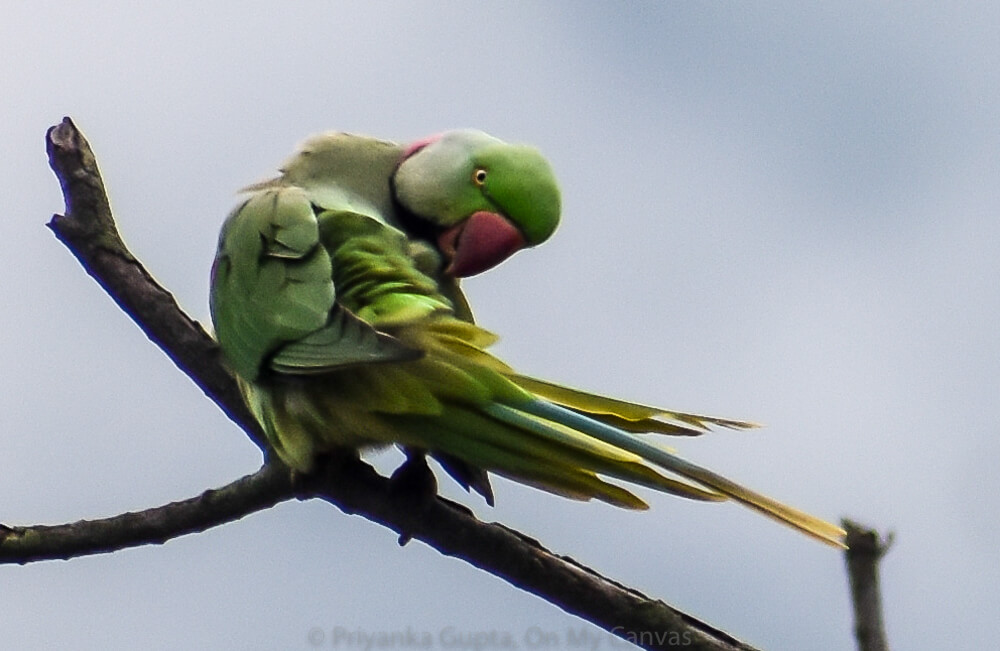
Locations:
274 302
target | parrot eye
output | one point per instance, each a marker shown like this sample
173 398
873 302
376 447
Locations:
479 177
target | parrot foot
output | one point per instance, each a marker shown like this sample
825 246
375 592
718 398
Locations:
413 482
414 478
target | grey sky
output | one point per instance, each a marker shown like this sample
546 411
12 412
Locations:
781 213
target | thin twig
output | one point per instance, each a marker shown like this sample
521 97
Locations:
261 490
865 548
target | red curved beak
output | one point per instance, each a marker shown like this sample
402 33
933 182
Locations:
478 243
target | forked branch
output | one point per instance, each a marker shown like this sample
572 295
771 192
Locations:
88 230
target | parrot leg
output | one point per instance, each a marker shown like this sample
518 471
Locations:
414 478
413 481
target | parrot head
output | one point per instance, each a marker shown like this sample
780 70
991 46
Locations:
485 198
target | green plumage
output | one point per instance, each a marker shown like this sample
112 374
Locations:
334 308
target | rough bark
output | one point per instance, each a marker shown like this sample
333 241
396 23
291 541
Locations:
261 490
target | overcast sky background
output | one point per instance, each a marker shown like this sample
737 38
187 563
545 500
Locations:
780 213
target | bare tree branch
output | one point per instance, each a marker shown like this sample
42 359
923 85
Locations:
261 490
865 548
89 231
521 561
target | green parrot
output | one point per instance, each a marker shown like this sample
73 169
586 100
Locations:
336 304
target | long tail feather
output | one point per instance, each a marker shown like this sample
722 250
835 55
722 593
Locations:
629 416
480 440
810 525
598 455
